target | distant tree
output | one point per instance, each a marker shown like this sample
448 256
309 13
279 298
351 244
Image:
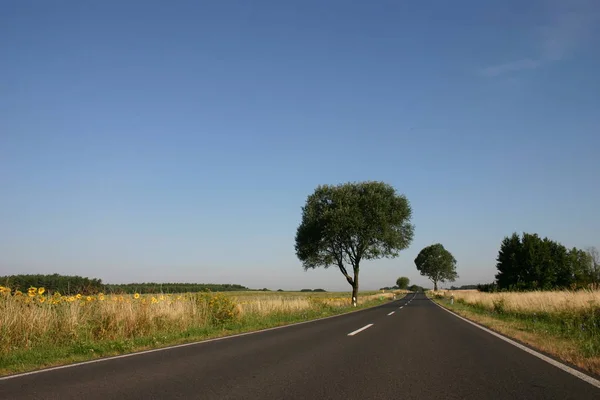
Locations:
402 282
436 263
345 224
280 290
415 288
306 290
319 290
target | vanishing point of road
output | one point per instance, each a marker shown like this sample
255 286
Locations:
409 348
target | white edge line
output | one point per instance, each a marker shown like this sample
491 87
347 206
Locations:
138 353
401 307
391 312
360 330
566 368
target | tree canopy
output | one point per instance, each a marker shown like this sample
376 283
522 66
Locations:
530 262
402 282
345 224
436 263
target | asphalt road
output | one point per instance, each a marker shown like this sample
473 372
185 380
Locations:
420 351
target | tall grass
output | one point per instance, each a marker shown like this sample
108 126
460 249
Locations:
35 322
530 302
564 323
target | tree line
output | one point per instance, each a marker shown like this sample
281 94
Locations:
529 262
71 285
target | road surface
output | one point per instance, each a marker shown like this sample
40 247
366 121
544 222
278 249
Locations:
409 348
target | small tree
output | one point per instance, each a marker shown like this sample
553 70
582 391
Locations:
345 224
402 282
437 264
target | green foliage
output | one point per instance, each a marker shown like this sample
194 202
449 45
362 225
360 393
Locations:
464 287
415 288
532 263
222 309
71 285
65 284
347 223
402 282
437 263
173 288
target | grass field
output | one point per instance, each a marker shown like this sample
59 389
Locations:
565 324
38 329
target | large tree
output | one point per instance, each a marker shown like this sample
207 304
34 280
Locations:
531 263
402 282
436 263
345 224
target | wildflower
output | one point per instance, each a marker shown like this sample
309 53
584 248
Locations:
78 296
161 297
42 299
154 301
101 297
136 296
89 298
71 298
18 293
41 290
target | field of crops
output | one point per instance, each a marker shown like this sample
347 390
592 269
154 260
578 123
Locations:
35 322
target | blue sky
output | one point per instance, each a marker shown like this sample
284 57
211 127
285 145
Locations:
178 141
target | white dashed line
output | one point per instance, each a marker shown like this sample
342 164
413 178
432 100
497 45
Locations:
360 330
391 312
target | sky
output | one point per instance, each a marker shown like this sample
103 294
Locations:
177 141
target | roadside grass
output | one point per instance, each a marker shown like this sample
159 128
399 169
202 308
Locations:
39 331
562 323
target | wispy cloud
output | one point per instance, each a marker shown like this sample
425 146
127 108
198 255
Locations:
565 32
495 70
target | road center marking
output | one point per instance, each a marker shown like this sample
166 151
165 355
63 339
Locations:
360 330
391 312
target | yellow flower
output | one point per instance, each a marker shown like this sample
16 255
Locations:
42 299
31 294
136 296
41 290
161 297
101 297
71 298
78 296
18 293
89 298
154 301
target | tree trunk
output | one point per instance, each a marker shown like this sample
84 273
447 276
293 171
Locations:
435 285
355 288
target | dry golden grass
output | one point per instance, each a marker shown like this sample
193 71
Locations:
33 319
561 323
549 301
